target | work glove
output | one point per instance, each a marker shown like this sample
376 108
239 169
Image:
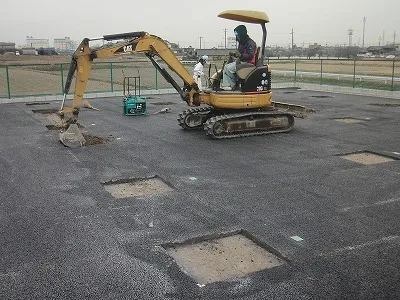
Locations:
235 54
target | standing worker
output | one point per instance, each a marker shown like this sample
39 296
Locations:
246 52
198 71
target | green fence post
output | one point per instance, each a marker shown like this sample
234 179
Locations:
354 74
156 79
393 77
111 77
62 78
8 83
320 78
295 70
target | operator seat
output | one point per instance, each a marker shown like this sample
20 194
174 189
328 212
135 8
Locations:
254 78
244 69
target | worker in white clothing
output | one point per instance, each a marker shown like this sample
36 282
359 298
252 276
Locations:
198 71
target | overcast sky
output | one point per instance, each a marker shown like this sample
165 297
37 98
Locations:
183 22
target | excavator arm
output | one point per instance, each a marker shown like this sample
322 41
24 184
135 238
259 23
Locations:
135 42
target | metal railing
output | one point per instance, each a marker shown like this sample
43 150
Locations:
49 79
371 74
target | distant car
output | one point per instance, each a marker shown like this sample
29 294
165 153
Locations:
390 56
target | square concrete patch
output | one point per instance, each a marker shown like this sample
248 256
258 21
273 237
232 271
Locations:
223 258
367 158
138 187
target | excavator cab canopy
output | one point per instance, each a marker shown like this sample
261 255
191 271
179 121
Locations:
246 16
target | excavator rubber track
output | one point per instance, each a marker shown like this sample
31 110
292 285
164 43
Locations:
224 124
250 123
194 118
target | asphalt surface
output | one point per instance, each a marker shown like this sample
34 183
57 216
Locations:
63 236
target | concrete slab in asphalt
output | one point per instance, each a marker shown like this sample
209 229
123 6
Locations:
334 221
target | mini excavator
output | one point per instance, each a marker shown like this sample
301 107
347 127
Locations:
246 111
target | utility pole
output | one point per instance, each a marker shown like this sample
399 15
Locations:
364 20
383 38
200 37
225 30
379 40
350 33
394 38
292 33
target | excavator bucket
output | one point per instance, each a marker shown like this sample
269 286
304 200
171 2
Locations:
72 137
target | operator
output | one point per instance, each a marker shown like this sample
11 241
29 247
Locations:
246 53
198 71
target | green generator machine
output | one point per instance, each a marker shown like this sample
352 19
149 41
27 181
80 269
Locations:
133 104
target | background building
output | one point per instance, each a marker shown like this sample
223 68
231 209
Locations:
7 47
231 43
28 51
36 43
215 53
64 45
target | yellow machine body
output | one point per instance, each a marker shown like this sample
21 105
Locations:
237 101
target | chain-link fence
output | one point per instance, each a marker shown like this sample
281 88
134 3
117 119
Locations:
49 79
371 74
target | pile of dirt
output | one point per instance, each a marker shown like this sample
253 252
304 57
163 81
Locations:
96 140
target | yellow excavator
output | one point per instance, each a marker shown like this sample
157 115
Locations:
246 111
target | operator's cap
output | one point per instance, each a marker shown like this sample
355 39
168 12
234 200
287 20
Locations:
205 57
